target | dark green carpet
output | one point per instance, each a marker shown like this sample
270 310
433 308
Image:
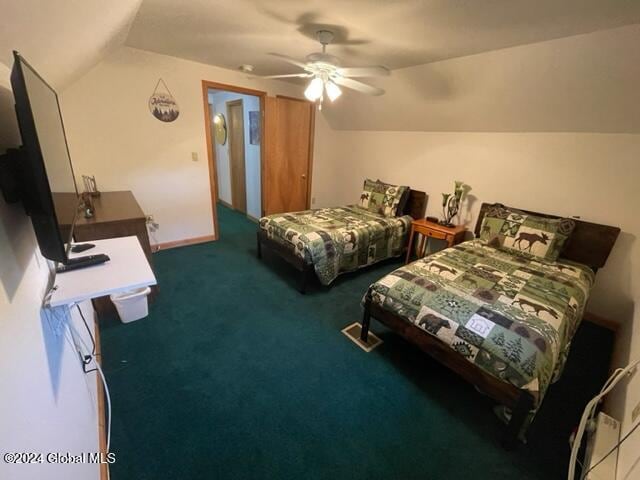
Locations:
235 375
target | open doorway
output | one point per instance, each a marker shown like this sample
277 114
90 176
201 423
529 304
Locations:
234 118
261 144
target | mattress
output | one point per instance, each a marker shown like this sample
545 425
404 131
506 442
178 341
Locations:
511 315
337 240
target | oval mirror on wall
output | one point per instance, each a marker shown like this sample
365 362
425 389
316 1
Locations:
220 128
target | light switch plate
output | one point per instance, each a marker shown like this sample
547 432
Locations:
194 156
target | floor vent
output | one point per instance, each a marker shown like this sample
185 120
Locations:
353 333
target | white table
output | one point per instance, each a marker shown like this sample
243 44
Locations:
128 269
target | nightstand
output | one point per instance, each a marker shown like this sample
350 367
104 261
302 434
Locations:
451 235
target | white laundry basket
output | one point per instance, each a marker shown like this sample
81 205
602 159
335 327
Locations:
131 305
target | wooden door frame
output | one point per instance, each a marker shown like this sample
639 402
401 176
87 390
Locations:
211 151
231 103
312 136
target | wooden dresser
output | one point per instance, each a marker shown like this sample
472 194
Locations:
117 214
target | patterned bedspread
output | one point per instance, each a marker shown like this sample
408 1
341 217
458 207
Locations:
337 240
512 316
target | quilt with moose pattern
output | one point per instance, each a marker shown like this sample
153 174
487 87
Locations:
511 315
337 240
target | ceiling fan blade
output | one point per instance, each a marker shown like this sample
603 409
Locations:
376 71
291 75
290 60
359 86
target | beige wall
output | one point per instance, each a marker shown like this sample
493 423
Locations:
585 83
113 136
590 175
466 107
47 403
594 176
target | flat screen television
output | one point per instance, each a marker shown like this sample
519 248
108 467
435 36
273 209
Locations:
50 194
49 190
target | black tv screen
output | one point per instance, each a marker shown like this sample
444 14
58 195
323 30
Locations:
50 192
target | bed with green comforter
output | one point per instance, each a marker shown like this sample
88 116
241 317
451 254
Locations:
337 240
511 315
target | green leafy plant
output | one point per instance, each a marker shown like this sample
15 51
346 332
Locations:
451 202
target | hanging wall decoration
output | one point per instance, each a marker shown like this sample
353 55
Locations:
162 104
254 128
220 128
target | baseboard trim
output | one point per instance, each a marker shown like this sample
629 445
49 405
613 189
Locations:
601 321
226 204
183 243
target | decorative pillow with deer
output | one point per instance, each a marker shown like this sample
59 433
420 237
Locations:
381 198
525 233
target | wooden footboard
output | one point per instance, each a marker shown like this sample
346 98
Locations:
305 269
520 401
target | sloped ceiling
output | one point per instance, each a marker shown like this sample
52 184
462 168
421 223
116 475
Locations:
584 83
397 34
481 65
63 39
462 65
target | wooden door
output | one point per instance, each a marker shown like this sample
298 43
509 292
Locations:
235 126
288 144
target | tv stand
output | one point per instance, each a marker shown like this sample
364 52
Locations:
82 262
127 270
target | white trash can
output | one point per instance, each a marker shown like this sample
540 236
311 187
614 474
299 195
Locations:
131 305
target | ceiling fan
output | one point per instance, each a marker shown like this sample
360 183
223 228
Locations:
326 74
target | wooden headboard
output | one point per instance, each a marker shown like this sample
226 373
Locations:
416 205
589 243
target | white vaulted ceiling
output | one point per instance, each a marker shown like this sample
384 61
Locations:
579 83
458 65
398 33
62 38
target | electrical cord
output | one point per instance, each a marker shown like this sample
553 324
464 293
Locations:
589 410
87 359
106 393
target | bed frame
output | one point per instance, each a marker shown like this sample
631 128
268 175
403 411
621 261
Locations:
415 207
589 244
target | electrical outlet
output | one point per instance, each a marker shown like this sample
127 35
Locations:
313 200
194 156
635 412
151 223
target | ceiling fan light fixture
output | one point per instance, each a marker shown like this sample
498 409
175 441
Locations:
333 90
327 75
314 90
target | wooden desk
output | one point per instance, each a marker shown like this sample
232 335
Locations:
451 235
